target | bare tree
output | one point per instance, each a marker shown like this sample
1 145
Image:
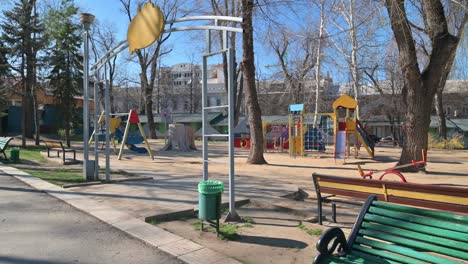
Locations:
248 70
148 58
358 20
230 8
296 55
420 87
104 38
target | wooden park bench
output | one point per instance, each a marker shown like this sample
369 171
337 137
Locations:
333 190
392 233
58 146
4 144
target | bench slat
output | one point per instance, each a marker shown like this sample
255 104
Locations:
420 220
417 235
403 251
390 257
412 243
423 212
358 258
416 227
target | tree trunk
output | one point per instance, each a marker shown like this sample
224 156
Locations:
318 63
149 112
420 88
253 108
240 96
440 115
354 48
36 118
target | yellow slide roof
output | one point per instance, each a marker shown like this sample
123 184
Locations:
345 101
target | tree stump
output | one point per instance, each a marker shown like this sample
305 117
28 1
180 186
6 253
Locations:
181 137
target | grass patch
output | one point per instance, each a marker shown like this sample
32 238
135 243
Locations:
58 176
29 154
310 231
226 231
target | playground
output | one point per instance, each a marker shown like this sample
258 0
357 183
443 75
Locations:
278 231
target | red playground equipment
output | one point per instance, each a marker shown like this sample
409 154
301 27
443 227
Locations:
393 170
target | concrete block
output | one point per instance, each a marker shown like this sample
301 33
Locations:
152 235
202 256
180 247
228 261
124 225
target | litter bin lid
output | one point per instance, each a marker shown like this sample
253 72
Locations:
210 187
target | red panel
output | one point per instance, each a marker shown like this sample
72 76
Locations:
133 118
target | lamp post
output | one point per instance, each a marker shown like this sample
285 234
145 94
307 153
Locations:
86 19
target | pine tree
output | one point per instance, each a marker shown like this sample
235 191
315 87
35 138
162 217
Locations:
65 60
18 30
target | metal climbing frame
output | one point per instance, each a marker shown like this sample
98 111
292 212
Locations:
100 63
230 52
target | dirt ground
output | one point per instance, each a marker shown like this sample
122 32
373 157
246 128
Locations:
274 236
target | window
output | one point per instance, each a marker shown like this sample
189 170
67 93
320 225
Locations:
218 101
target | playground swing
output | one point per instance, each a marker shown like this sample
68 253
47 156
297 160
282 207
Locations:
114 124
130 138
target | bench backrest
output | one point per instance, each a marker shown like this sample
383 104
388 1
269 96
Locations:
409 235
53 144
446 198
4 142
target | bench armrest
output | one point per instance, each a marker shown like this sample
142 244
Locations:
338 239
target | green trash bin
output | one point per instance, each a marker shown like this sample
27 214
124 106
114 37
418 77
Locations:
14 155
209 202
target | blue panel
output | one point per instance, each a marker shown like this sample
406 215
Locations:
296 107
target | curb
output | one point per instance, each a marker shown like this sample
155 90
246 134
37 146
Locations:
184 250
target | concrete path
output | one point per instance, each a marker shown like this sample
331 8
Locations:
37 228
68 251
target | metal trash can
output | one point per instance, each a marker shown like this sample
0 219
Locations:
15 155
209 202
90 169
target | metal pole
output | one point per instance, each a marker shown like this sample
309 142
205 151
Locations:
204 118
232 216
86 20
96 136
107 112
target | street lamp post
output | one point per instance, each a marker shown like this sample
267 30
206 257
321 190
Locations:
86 19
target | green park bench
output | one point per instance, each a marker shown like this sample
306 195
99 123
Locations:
4 144
392 233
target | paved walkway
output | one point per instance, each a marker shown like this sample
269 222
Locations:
185 250
37 228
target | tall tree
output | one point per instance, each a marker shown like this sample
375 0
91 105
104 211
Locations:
248 70
4 89
148 59
230 8
296 55
18 30
420 87
456 20
104 38
65 60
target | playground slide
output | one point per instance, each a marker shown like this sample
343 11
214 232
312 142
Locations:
340 145
132 147
365 141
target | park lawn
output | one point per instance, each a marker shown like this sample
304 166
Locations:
32 154
57 176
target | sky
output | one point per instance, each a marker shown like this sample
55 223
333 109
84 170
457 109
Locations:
188 46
